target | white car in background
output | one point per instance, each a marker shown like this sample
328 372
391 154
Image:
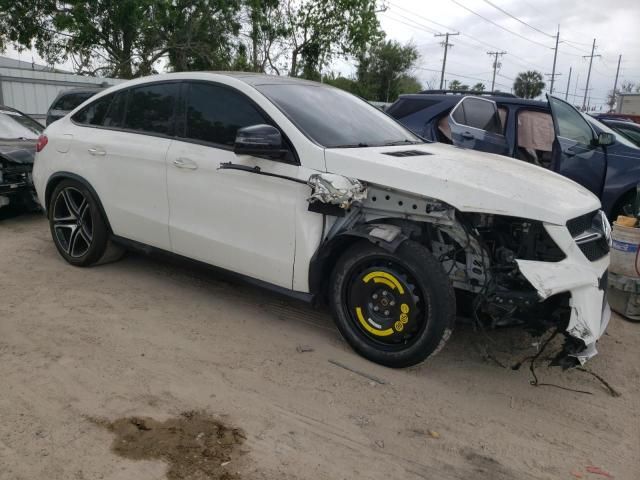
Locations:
311 191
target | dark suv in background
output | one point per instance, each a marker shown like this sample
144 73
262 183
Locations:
68 100
552 134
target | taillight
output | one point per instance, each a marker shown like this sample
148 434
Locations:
42 142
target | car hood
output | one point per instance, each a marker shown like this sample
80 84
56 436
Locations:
18 151
468 180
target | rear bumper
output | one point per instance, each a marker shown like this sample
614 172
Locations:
583 279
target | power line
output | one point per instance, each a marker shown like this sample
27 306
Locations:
423 29
461 76
419 25
517 19
498 25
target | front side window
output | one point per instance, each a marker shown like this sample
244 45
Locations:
215 113
94 113
478 113
569 122
150 108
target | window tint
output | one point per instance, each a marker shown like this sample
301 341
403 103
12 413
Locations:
94 113
114 115
214 113
70 101
478 113
150 108
633 135
408 106
334 118
570 123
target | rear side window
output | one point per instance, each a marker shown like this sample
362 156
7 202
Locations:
408 106
478 113
70 101
94 113
214 113
150 108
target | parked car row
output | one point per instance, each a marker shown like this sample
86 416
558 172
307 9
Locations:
308 190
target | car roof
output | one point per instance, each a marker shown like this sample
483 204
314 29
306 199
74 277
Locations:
496 98
255 79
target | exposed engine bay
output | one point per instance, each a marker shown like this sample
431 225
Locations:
481 253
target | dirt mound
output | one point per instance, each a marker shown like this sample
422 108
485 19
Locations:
195 445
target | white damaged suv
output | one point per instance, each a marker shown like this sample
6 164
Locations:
311 191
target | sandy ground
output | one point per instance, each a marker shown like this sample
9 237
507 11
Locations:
143 337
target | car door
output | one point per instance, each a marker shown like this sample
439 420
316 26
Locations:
475 123
234 219
575 151
124 158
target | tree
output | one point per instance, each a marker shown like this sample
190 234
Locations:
479 87
318 31
123 38
382 72
529 84
458 86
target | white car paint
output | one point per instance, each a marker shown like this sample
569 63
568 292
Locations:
171 194
469 180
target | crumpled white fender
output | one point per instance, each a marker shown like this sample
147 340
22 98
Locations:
336 189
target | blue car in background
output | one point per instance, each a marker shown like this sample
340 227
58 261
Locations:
551 134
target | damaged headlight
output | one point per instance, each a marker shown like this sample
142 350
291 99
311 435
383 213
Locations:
511 238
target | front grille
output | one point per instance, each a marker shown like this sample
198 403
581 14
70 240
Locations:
590 223
581 224
15 174
594 250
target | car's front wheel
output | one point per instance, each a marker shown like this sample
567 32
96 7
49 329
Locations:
77 226
395 309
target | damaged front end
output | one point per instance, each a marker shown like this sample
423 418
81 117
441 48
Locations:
16 165
512 270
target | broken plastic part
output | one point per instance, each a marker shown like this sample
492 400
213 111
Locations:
336 190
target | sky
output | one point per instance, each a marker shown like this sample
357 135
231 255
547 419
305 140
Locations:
613 23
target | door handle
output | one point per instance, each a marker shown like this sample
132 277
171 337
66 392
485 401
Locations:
97 152
467 136
185 163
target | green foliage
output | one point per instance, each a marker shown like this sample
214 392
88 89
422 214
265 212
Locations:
529 84
382 72
124 38
479 87
458 86
127 38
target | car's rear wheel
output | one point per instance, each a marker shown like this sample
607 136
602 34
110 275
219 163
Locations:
77 226
395 309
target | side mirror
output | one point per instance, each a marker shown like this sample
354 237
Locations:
605 139
259 140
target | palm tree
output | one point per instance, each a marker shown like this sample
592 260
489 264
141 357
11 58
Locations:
528 84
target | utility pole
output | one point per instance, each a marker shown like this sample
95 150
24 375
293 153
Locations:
615 83
446 46
566 94
555 56
495 66
586 88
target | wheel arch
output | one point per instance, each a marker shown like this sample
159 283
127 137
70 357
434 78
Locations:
58 177
328 253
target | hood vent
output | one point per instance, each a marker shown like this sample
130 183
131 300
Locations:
408 153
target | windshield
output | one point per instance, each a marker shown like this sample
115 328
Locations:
604 128
334 118
14 125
